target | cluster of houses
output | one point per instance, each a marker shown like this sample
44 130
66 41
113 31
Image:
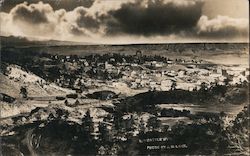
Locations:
139 71
185 77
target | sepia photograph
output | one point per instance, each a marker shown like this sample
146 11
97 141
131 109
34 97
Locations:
124 78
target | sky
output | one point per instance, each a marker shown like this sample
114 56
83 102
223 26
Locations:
127 21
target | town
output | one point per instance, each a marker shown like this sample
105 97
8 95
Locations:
136 71
119 99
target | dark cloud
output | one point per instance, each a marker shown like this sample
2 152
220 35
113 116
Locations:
153 18
86 21
68 5
31 14
77 31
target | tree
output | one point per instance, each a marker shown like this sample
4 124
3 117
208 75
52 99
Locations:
66 102
77 102
24 92
87 123
104 132
154 124
118 117
203 94
226 81
173 86
142 126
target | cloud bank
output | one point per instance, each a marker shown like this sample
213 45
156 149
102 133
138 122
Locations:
222 27
99 21
68 5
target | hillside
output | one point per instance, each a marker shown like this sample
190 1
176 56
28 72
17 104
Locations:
16 78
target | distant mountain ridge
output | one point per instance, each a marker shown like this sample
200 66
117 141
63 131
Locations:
20 44
9 41
15 41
